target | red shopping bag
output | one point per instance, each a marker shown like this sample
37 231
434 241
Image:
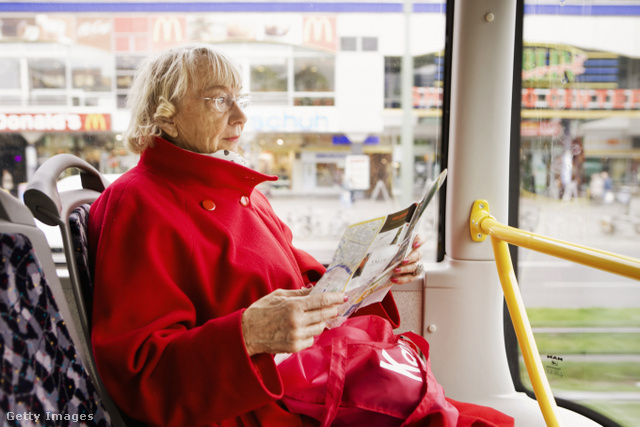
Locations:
363 374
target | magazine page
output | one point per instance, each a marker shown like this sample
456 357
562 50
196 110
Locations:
348 257
367 254
363 258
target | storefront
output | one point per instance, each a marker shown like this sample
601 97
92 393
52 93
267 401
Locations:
30 138
580 113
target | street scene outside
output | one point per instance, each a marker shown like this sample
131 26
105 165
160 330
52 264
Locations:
586 321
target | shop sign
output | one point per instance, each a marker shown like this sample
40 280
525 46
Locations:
544 64
301 119
286 29
553 99
168 30
42 28
95 32
356 172
96 122
52 122
427 97
546 128
320 31
581 99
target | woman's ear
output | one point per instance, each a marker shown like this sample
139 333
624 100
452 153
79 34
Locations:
164 115
168 126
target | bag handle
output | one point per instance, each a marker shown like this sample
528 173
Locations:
335 379
419 341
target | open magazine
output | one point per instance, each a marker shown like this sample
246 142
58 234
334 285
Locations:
367 254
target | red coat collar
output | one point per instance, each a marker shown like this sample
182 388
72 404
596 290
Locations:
188 167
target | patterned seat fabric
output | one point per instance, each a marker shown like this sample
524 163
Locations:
42 381
78 223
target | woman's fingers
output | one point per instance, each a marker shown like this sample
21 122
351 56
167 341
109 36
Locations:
287 320
405 272
417 241
321 315
323 300
408 265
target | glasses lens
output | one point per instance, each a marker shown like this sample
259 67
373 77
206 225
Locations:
222 104
243 101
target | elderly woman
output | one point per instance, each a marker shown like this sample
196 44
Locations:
197 284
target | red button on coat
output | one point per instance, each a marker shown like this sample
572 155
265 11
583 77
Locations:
244 201
208 204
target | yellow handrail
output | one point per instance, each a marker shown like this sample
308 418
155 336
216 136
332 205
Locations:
482 224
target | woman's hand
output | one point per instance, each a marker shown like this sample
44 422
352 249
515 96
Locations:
410 267
285 321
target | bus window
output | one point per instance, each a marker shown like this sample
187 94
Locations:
326 116
580 182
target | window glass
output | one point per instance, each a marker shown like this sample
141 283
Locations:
270 81
268 76
314 74
370 44
128 62
580 182
9 73
348 43
125 69
427 77
47 73
91 76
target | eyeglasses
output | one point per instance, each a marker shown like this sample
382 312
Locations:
223 103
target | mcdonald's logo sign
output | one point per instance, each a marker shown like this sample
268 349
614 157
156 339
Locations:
168 30
320 31
96 122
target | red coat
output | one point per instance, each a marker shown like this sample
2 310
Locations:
182 244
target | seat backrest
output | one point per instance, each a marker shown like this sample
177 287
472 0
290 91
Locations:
43 372
78 227
54 208
69 211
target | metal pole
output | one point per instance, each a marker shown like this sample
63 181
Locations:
530 352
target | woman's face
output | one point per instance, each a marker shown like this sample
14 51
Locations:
198 126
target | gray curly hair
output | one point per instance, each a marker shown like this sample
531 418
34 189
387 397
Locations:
162 80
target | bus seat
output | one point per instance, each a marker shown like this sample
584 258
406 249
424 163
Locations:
44 371
78 227
55 208
65 210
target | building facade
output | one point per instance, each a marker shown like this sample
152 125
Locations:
326 87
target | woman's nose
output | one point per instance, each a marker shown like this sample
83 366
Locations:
237 116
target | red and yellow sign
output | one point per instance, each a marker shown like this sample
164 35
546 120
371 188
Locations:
320 31
54 122
96 122
168 30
